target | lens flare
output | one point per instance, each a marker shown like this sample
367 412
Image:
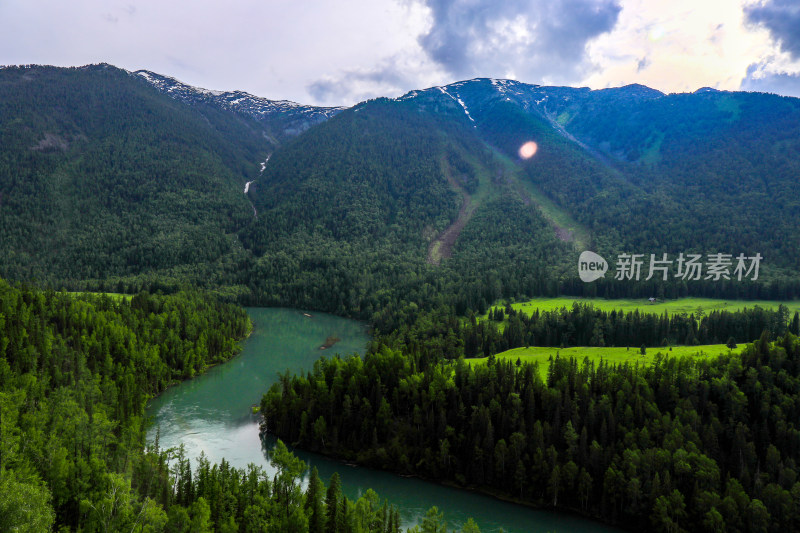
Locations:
528 150
656 34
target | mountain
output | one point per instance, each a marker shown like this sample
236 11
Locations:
365 209
281 119
113 179
648 172
101 175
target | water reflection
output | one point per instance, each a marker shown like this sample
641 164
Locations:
212 414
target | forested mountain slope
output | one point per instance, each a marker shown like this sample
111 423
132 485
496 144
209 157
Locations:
647 172
111 179
100 175
352 208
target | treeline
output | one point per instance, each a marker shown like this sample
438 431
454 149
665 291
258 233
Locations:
774 288
679 444
583 325
225 499
437 334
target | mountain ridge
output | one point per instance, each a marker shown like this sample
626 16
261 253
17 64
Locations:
298 117
349 194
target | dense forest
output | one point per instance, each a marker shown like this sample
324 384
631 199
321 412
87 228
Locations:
683 444
75 373
107 184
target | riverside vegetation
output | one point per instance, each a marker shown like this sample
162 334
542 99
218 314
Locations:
75 374
679 444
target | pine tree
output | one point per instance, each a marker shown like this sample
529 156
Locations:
313 504
332 500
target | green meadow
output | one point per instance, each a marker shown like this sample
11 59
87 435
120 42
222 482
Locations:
542 355
112 295
673 307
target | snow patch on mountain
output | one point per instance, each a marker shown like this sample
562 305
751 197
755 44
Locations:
459 101
408 96
238 101
509 86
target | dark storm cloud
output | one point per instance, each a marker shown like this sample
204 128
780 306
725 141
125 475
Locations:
782 19
530 38
778 83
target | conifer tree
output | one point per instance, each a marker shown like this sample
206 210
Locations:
313 505
332 505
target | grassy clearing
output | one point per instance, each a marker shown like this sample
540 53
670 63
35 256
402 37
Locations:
554 214
485 191
732 106
113 295
653 153
541 355
672 307
435 253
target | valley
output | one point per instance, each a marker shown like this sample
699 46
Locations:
149 225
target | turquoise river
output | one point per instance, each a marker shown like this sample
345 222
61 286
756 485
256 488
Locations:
213 414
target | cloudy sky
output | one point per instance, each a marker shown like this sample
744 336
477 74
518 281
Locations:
325 52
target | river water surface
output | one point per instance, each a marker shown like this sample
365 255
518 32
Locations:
212 414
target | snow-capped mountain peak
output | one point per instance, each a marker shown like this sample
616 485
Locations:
295 118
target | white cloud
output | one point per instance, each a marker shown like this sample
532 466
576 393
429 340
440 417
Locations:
338 53
271 48
678 46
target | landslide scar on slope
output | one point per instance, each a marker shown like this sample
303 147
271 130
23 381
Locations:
442 246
